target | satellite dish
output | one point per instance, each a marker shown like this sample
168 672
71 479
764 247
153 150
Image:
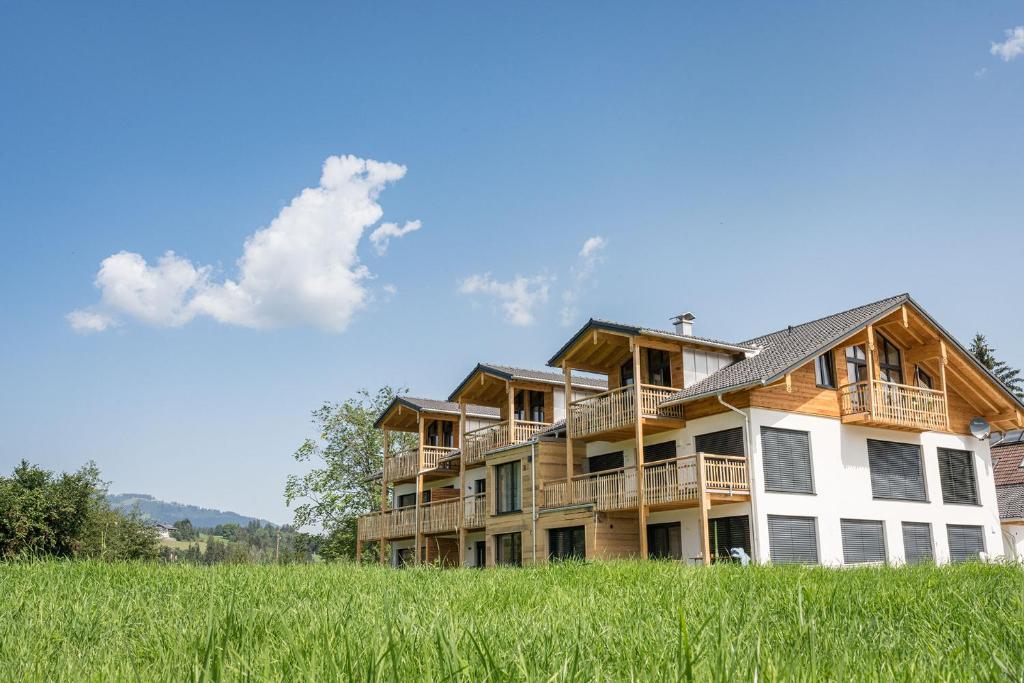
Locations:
980 428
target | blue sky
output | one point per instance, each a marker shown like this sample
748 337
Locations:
757 165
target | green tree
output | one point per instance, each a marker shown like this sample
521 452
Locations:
986 355
183 531
346 455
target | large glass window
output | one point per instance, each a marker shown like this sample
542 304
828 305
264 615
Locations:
890 361
659 368
537 406
825 371
626 373
448 434
406 499
856 363
726 533
567 543
922 378
529 405
664 541
507 484
508 549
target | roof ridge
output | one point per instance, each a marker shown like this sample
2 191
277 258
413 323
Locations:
904 295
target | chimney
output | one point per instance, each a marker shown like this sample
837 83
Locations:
684 323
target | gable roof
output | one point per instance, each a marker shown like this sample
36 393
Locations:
431 405
785 350
599 324
510 373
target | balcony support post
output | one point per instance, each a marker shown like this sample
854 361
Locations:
638 417
419 488
942 378
869 356
567 376
705 504
384 494
462 486
509 437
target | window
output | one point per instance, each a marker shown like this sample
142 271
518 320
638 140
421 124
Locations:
537 406
956 472
863 541
656 452
529 405
626 373
726 533
787 461
507 483
432 434
922 378
659 368
448 434
965 542
605 461
403 557
896 472
890 363
406 499
793 540
726 442
567 543
825 371
480 486
664 541
917 542
508 549
856 363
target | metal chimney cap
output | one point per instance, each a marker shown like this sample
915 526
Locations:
684 317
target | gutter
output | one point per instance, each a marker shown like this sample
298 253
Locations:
755 544
533 495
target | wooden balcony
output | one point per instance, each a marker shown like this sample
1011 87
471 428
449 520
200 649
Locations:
479 442
614 412
667 484
405 465
368 526
474 511
894 406
395 523
439 517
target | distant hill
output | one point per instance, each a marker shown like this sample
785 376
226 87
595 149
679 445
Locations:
169 513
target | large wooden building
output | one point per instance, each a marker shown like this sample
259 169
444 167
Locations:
842 440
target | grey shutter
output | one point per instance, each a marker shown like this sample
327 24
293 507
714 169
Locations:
917 542
792 539
863 541
726 533
666 450
956 471
605 461
965 542
896 471
725 442
787 460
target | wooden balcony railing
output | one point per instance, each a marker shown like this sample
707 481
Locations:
897 405
368 526
439 516
616 409
405 465
479 442
665 481
401 522
474 511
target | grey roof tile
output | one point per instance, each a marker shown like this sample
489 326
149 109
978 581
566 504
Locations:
511 373
438 406
782 349
1011 501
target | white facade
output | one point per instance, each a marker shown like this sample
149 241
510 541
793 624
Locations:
842 486
1013 541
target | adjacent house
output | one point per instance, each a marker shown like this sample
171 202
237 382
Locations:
163 530
843 440
1008 464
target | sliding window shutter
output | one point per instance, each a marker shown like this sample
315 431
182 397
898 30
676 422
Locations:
726 442
787 461
726 533
896 472
605 461
666 450
863 541
792 539
917 542
965 542
956 471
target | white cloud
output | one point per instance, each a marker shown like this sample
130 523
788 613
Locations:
382 235
1012 47
519 298
87 322
581 276
303 268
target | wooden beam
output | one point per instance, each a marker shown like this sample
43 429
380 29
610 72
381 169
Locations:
705 504
933 349
943 361
462 486
419 491
641 494
903 314
966 384
869 352
384 495
567 376
789 383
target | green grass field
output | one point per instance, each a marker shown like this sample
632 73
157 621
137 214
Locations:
618 621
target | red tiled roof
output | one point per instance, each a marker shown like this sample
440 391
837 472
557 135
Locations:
1007 464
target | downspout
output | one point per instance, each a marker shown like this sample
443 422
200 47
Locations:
754 536
533 496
